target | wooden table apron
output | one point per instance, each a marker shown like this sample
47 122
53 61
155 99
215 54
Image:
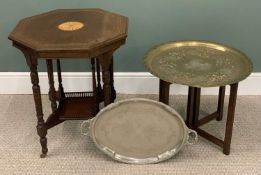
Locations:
193 106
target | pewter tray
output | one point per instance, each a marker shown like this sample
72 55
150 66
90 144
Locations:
140 131
198 63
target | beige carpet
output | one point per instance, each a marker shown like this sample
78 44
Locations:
71 153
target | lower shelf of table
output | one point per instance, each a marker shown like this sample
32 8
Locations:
77 108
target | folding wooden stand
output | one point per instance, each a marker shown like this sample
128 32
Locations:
193 113
193 106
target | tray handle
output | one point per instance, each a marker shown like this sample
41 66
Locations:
192 137
86 124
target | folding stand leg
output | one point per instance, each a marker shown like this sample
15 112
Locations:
221 98
196 107
230 118
164 92
193 122
190 107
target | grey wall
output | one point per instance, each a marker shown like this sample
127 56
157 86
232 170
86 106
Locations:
233 22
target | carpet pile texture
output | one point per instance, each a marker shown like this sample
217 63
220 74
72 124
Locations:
72 153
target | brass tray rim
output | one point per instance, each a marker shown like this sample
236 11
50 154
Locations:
146 56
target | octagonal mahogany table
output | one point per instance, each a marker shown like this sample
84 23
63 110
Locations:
71 33
200 64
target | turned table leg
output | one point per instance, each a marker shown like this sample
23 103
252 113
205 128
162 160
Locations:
230 118
99 88
164 92
41 127
52 93
94 86
59 73
52 119
113 93
105 61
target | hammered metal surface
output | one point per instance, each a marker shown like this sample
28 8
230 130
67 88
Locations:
139 131
197 63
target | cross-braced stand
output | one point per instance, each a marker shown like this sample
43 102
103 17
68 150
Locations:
193 113
193 106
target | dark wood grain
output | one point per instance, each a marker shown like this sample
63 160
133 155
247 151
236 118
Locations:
164 91
105 61
77 108
39 37
190 107
193 102
230 117
101 29
59 73
52 95
196 106
99 88
207 119
210 137
113 92
221 99
93 75
41 127
94 85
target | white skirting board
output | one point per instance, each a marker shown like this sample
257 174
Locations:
125 82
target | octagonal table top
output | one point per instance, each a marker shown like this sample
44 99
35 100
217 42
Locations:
198 63
70 30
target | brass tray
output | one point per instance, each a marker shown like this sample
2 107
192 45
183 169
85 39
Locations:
139 131
198 63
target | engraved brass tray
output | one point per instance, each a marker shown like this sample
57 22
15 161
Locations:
139 131
198 63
